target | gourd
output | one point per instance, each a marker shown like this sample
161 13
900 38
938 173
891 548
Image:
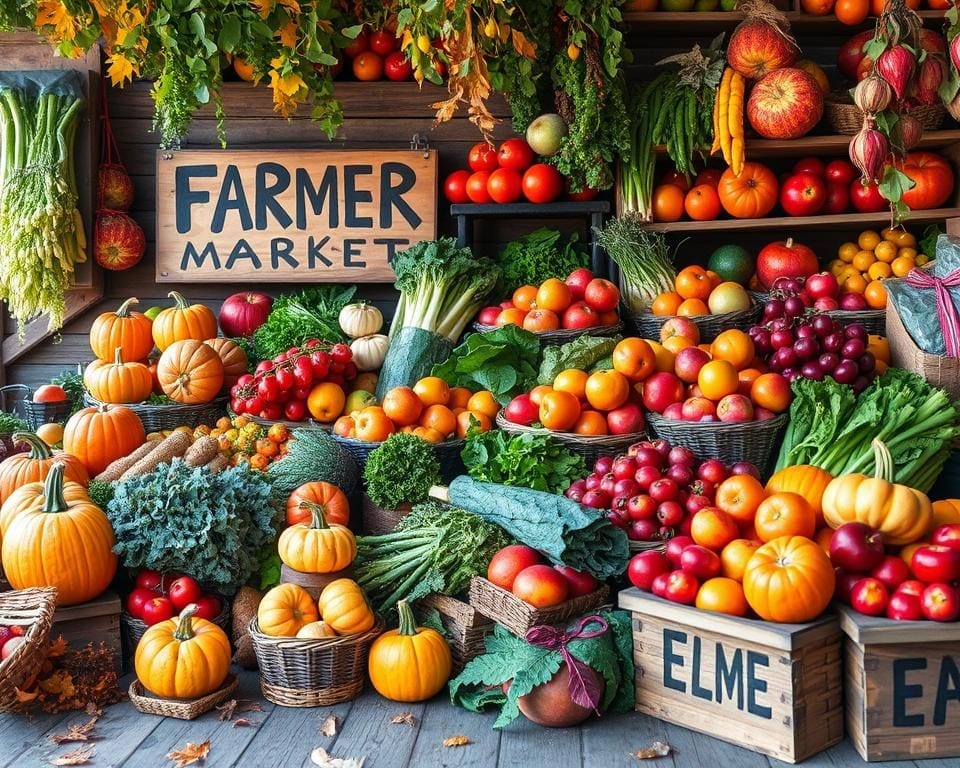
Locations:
125 328
117 381
360 319
944 511
183 657
31 496
901 514
285 610
183 321
316 630
232 356
805 479
369 352
345 608
101 434
22 468
190 371
409 663
789 579
330 499
317 547
67 544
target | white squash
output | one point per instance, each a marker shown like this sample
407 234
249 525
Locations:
361 319
369 351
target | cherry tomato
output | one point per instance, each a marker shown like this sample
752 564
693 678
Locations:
302 393
303 372
341 353
397 67
477 187
455 187
136 600
295 410
184 591
311 343
237 405
585 195
253 404
383 42
271 411
350 370
264 366
504 186
245 381
284 377
336 369
156 610
542 183
515 154
268 388
320 360
482 157
358 45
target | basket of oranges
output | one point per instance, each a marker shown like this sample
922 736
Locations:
702 296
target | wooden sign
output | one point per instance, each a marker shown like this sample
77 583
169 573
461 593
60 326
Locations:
772 688
251 216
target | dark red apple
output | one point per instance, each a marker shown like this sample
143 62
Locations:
661 390
838 198
643 530
700 562
624 467
675 548
946 535
645 567
803 194
869 596
892 571
856 547
936 563
647 476
940 602
522 410
845 583
713 470
904 606
488 315
580 583
577 281
682 587
625 420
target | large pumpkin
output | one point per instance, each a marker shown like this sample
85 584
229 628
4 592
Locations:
118 381
101 434
60 543
789 579
345 608
933 180
285 610
190 371
330 499
22 468
183 657
751 195
125 328
31 497
183 321
804 479
902 514
944 511
317 547
409 663
232 356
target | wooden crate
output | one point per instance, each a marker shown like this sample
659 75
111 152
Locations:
466 627
902 684
93 622
771 688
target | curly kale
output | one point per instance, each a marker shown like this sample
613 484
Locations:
100 493
543 253
401 471
185 519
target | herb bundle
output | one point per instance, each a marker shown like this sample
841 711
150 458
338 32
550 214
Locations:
401 471
311 314
541 254
527 460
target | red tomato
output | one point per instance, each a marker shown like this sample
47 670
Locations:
208 607
601 295
397 67
455 187
508 562
383 42
149 580
359 44
504 186
579 315
812 165
515 154
585 195
477 187
137 599
677 179
840 172
483 157
156 610
681 587
542 183
49 393
866 198
184 591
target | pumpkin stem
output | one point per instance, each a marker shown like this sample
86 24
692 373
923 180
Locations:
184 630
317 512
124 309
883 460
53 498
408 624
38 448
118 356
178 297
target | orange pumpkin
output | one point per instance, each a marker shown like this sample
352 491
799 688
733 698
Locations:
285 610
129 330
330 499
22 468
30 496
751 195
232 356
944 511
789 579
805 479
101 434
190 371
118 381
183 321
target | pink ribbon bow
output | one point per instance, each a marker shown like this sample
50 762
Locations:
946 311
583 688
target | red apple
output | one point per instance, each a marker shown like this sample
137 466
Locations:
626 420
488 315
522 410
670 513
659 584
624 467
509 562
812 165
646 476
581 583
837 199
688 362
681 588
947 535
845 583
242 313
892 571
577 281
785 104
933 563
695 408
645 567
851 53
912 587
869 596
713 471
579 315
641 507
642 530
735 407
822 285
905 606
840 172
826 305
661 390
803 194
856 547
700 562
940 602
866 198
675 548
673 411
680 326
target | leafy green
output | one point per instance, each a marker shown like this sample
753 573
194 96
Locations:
584 353
10 424
268 568
314 455
401 471
72 383
502 361
188 520
537 256
311 314
435 548
511 658
928 240
100 493
527 460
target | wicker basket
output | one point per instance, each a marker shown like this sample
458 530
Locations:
648 325
33 609
291 425
134 628
182 709
645 546
312 673
845 117
591 447
466 627
753 441
448 454
312 582
557 338
156 418
377 520
937 370
514 614
873 320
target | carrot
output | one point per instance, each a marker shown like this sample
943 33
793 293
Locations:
735 122
724 122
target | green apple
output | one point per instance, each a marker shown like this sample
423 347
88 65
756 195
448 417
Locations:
359 400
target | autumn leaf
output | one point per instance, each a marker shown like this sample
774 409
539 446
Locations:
189 754
291 5
59 683
405 718
58 647
324 759
51 13
329 726
225 710
121 69
242 722
263 7
79 756
457 741
522 45
655 750
248 705
76 732
25 697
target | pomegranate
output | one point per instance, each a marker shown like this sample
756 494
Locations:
896 65
933 71
114 187
872 94
868 150
911 130
549 704
118 241
758 46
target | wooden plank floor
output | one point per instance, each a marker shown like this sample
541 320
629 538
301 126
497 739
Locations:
280 737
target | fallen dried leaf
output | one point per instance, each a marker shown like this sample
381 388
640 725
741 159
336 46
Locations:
93 710
76 732
248 705
329 726
79 756
324 759
242 722
189 754
457 741
24 697
226 710
657 749
405 718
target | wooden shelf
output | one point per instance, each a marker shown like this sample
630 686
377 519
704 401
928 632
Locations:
699 22
789 223
509 210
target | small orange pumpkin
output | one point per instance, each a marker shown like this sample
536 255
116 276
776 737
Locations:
22 468
125 328
232 356
317 547
101 434
806 480
118 381
190 371
944 511
330 499
285 610
789 579
183 321
344 606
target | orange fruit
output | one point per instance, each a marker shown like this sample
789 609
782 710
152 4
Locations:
746 377
668 203
740 496
634 358
345 427
525 297
554 295
429 434
538 320
902 265
863 260
373 424
713 528
736 555
559 411
785 514
537 393
243 69
432 390
734 346
606 390
484 402
512 316
885 251
717 379
573 381
702 203
847 251
868 240
674 344
693 283
325 401
440 418
879 271
771 391
715 279
875 295
822 538
368 66
666 304
851 12
855 284
879 346
692 308
403 406
722 595
459 397
469 420
663 357
591 423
